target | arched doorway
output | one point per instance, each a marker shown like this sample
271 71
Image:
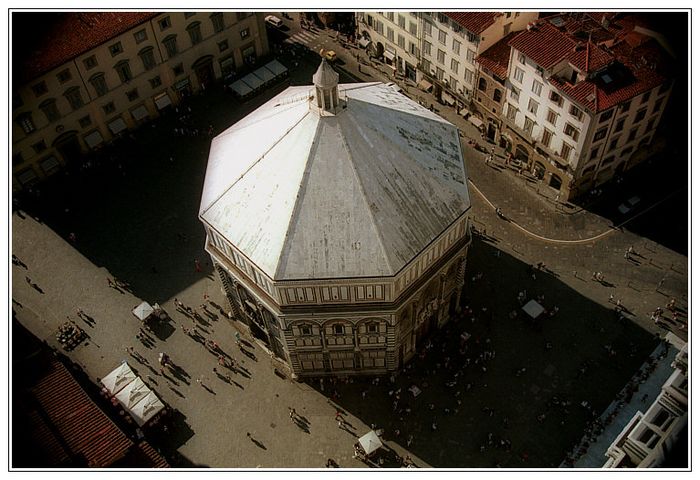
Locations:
204 70
555 181
491 130
379 50
522 154
68 147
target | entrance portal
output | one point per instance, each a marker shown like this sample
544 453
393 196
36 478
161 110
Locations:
204 70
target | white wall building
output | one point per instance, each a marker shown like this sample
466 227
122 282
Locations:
649 437
580 109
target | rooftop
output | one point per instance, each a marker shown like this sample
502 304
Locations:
475 22
52 39
308 194
69 429
617 62
496 58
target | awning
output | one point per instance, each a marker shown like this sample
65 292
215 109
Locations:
162 101
389 55
533 309
143 311
49 164
93 139
425 85
139 112
240 88
26 176
277 68
448 99
144 410
476 121
252 81
264 74
182 83
117 125
363 42
370 442
251 304
118 378
463 112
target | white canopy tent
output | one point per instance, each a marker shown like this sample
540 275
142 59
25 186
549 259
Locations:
476 121
118 378
264 74
370 442
133 393
240 88
533 309
277 68
144 410
252 81
143 311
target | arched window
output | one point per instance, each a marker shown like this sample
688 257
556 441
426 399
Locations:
195 32
49 108
147 57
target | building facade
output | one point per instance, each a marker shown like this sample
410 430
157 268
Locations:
489 93
647 439
438 49
97 75
340 235
583 94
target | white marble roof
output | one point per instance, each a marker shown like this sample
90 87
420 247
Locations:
356 194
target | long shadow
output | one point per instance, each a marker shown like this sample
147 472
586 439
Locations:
502 378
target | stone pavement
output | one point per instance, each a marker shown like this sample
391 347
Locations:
642 398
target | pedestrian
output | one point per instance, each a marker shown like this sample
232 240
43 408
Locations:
409 441
292 413
340 424
197 266
206 296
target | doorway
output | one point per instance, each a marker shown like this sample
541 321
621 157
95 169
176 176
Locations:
68 147
204 70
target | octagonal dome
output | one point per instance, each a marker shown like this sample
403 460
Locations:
306 194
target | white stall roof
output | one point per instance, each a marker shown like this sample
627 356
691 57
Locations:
276 67
118 378
241 88
132 393
264 74
253 81
144 410
143 310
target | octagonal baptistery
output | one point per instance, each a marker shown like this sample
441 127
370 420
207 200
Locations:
336 217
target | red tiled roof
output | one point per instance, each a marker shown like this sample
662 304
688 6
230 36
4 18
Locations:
496 58
68 427
82 426
475 22
73 34
545 44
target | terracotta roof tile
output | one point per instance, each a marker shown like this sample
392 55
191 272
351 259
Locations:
83 427
72 34
545 44
475 22
637 62
67 425
496 58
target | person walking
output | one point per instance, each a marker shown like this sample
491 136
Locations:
197 266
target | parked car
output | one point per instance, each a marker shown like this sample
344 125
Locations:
628 205
274 21
329 55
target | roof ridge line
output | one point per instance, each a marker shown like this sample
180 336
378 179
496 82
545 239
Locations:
304 176
369 207
205 210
